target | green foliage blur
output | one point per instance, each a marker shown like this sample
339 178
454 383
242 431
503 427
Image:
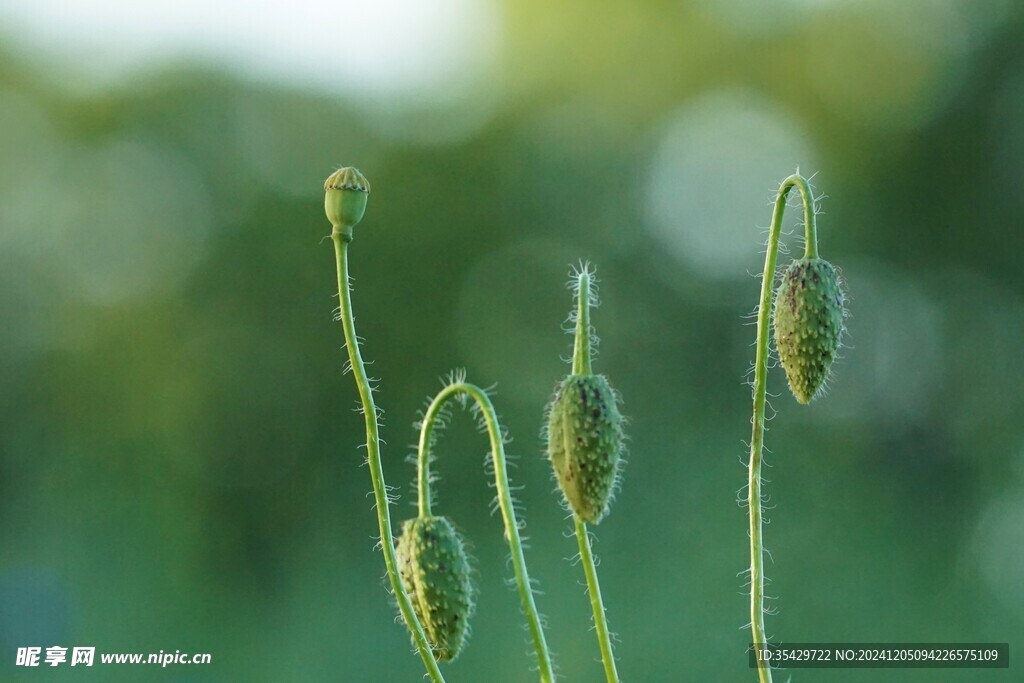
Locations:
180 458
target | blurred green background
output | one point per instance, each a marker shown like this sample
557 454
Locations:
181 463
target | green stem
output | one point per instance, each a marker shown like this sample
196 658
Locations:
508 514
341 238
760 389
581 341
596 603
581 366
810 230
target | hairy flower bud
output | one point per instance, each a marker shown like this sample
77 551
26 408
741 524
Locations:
346 191
809 321
585 443
435 571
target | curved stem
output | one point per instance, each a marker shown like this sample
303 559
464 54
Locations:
760 389
341 239
810 230
581 366
508 513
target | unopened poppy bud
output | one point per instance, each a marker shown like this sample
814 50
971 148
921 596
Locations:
809 322
435 571
585 443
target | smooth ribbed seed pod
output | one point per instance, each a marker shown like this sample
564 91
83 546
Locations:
435 571
345 194
809 319
585 443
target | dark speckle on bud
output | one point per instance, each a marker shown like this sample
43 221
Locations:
435 572
809 324
346 191
585 443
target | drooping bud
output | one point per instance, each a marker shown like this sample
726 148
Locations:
346 191
809 321
585 443
435 571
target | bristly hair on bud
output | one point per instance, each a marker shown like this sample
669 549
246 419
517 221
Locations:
584 426
809 320
585 443
436 573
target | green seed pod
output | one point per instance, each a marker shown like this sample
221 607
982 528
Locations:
435 571
346 192
585 443
809 322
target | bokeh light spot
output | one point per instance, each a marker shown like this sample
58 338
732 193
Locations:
889 365
717 162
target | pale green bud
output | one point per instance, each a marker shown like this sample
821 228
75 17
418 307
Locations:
435 572
346 191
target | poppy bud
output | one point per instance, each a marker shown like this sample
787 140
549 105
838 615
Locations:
809 320
435 571
585 443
